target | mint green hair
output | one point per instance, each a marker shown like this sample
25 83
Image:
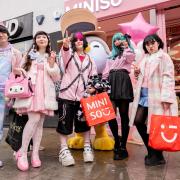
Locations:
115 50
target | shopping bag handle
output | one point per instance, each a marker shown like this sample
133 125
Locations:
167 112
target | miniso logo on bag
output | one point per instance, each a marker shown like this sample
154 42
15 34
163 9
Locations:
98 109
165 133
169 140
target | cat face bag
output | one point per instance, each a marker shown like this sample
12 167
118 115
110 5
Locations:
18 87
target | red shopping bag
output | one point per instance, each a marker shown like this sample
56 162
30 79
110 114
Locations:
165 133
97 109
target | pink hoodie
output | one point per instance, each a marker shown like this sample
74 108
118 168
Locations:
120 63
76 91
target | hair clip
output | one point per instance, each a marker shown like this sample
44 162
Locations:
127 36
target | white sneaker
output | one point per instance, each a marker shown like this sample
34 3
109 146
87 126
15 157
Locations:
65 157
1 164
88 154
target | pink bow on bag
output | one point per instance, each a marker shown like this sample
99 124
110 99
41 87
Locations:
18 87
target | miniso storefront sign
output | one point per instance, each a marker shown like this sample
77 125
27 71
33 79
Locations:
105 8
93 5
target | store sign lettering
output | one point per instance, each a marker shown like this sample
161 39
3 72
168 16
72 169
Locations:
20 28
14 27
96 5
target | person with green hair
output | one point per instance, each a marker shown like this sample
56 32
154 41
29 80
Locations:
116 50
117 72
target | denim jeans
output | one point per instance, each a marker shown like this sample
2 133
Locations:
2 112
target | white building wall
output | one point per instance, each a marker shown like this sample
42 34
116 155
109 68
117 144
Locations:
13 8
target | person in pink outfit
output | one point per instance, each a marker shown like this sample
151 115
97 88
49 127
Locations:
78 69
40 65
117 71
154 92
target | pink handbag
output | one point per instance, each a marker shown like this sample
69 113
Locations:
18 87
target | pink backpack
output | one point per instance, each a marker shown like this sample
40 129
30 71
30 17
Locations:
18 87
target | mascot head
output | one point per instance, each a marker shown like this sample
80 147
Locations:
82 20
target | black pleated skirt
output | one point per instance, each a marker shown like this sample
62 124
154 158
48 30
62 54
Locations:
121 85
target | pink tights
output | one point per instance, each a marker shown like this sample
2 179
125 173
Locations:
34 130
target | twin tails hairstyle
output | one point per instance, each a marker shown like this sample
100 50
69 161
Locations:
150 39
35 48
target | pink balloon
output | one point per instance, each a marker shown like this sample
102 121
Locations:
138 28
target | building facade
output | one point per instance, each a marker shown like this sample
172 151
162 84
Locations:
25 18
162 13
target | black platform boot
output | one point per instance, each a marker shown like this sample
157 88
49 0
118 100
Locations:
120 153
123 153
154 158
117 147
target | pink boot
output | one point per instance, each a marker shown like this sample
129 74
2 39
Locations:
35 162
22 162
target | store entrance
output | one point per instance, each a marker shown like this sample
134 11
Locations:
172 17
110 24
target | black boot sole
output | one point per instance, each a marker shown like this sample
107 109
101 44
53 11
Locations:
120 155
157 163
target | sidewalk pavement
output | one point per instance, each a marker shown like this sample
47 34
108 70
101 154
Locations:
103 168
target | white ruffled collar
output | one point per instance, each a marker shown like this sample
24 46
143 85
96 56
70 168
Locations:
37 56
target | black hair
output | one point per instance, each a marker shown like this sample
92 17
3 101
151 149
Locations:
48 48
152 38
35 48
3 29
74 39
